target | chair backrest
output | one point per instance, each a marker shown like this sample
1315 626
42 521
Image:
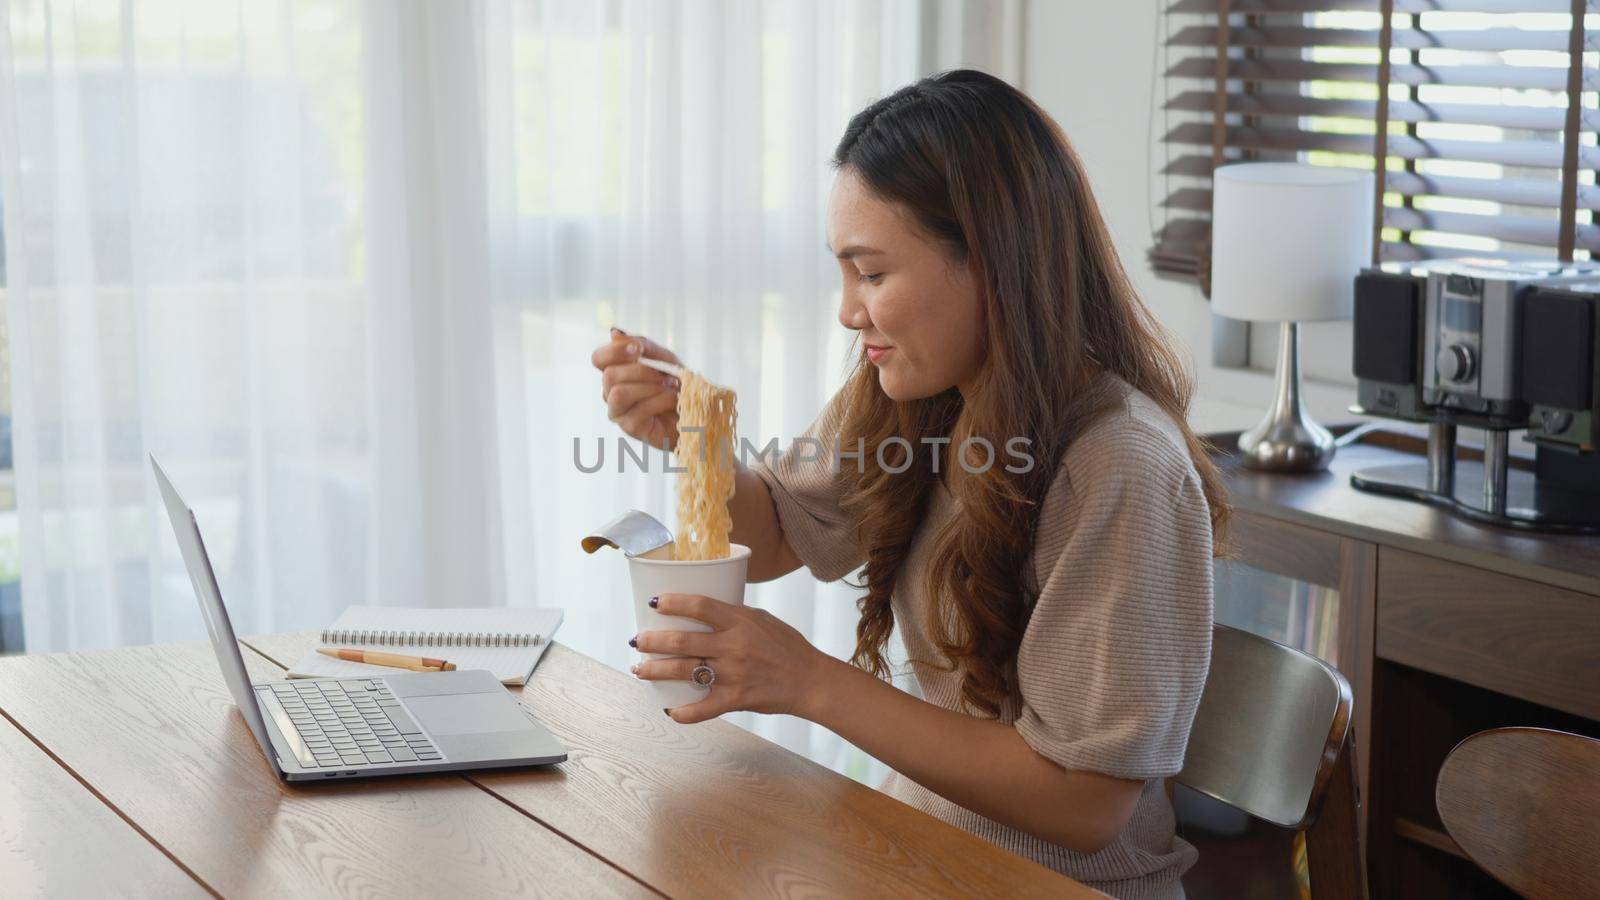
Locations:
1524 803
1269 729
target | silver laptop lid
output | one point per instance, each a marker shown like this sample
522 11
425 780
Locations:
187 530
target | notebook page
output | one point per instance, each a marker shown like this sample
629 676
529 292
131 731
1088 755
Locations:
511 665
490 620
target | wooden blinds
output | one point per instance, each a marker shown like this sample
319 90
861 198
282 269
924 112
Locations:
1478 116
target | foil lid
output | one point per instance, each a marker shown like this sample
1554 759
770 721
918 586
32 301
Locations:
633 533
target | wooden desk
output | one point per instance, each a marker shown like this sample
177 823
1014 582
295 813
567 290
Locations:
1445 628
130 770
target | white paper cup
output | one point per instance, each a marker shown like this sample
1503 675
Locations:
656 573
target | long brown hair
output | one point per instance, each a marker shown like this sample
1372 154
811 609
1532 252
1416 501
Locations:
981 169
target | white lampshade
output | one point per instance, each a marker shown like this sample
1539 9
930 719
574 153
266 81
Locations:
1287 240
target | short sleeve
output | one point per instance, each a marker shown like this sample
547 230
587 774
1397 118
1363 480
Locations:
1115 653
808 493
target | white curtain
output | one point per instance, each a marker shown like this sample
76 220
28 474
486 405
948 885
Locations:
339 266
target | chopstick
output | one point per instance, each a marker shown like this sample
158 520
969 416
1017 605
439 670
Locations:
659 366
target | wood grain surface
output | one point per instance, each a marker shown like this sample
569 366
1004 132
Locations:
712 810
1358 593
1326 501
1293 551
1527 640
1333 842
1524 803
154 730
59 840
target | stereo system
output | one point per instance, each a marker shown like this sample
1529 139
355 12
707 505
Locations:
1497 346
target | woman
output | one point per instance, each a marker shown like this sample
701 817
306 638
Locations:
1056 602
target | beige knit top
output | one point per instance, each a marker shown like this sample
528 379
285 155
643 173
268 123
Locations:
1115 653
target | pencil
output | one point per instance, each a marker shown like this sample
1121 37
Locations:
393 660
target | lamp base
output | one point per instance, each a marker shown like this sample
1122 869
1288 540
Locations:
1286 439
1287 446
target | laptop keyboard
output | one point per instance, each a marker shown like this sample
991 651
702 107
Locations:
352 722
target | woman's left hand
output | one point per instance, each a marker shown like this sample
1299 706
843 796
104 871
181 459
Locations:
761 663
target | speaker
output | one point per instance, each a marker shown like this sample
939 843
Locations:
1388 344
1560 377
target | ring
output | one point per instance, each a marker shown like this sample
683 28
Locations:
703 674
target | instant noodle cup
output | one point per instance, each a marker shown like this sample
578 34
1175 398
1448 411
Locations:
656 573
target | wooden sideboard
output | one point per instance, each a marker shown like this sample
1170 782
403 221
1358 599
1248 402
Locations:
1443 628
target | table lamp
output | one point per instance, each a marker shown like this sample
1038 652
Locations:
1287 241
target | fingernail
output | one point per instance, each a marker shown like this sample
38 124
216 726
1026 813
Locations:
617 331
634 641
666 712
672 383
633 349
654 601
634 669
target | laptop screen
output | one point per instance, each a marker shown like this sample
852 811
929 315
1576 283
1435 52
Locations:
223 641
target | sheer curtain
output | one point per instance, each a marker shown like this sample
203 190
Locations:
339 266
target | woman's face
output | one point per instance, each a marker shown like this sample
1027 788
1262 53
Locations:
916 309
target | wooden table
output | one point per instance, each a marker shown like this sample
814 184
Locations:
129 771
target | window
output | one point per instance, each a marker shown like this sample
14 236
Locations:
10 552
1479 117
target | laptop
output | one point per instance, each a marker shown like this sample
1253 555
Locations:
319 728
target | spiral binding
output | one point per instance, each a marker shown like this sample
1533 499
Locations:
386 638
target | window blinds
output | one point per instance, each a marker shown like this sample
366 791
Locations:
1478 116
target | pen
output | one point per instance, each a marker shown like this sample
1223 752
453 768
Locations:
394 660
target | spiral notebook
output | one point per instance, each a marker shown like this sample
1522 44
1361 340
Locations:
505 641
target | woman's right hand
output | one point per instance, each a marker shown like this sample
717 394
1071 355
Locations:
643 401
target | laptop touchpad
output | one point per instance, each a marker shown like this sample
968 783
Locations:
467 713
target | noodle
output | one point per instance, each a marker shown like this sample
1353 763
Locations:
707 457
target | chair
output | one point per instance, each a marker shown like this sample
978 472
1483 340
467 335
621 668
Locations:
1524 803
1272 738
